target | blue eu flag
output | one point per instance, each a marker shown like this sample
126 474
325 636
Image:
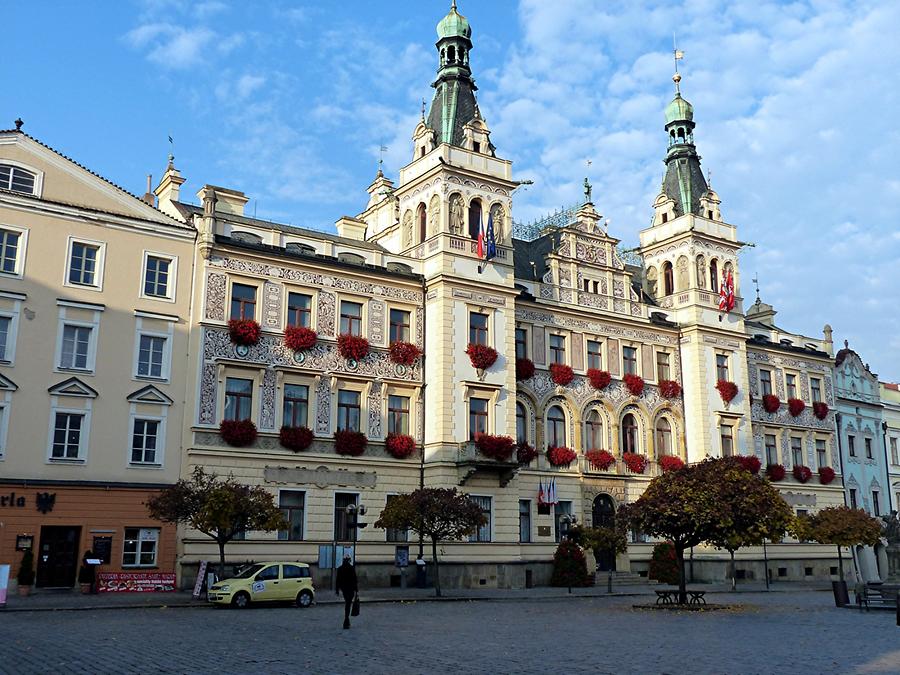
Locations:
491 243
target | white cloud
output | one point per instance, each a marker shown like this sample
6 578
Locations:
169 45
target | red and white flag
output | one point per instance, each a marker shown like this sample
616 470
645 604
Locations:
541 498
481 238
726 292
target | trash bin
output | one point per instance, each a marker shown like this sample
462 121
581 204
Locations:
841 596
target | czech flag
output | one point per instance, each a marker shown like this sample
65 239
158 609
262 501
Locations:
726 293
481 238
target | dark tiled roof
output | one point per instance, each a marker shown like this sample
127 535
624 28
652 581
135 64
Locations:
793 349
535 251
461 93
192 209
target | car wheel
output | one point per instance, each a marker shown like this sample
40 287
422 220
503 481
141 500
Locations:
241 600
304 599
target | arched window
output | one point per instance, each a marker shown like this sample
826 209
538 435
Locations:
714 275
556 427
17 179
668 278
593 431
629 434
663 437
451 53
521 424
474 218
422 220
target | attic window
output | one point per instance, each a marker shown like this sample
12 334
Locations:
476 146
246 237
399 267
17 179
351 258
304 249
665 217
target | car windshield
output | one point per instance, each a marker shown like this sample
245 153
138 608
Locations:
248 572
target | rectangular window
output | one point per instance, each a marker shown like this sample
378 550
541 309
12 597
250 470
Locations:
295 407
726 433
790 382
238 398
868 442
557 349
771 449
5 325
140 547
821 454
765 381
521 343
797 451
83 264
398 415
156 276
75 347
9 251
243 301
525 521
560 509
351 318
722 367
478 417
662 366
483 533
876 507
348 410
67 430
299 310
851 445
595 354
478 328
292 504
393 534
815 387
895 458
399 330
144 437
853 498
342 520
150 356
629 360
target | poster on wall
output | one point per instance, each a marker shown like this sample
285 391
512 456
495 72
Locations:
135 582
4 584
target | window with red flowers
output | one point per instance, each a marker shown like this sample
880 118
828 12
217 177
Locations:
399 326
243 301
299 312
556 427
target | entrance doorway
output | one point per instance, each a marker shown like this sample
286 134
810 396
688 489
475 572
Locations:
603 514
58 556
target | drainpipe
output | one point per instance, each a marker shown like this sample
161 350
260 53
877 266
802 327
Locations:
837 419
887 466
424 411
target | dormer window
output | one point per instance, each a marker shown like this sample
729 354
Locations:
304 249
17 179
246 237
351 258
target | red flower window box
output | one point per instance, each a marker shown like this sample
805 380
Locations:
796 406
820 409
670 389
727 390
525 453
634 384
599 379
404 353
400 446
295 438
495 447
775 472
600 460
670 463
299 339
561 374
802 473
352 443
244 332
636 463
353 347
481 356
749 462
826 475
238 433
771 403
524 369
561 456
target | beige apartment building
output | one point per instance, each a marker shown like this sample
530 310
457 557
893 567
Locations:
94 304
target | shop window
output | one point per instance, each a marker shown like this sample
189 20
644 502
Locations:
483 533
140 547
243 301
293 505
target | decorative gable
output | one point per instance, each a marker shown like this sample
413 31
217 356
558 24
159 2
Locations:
7 384
149 394
73 387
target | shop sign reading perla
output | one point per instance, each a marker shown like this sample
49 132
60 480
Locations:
43 501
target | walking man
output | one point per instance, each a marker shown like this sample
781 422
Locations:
346 584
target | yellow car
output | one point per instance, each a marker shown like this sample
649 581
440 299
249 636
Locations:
266 582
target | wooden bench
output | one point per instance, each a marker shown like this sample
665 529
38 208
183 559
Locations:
671 597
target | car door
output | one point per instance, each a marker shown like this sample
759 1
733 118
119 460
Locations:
294 579
266 584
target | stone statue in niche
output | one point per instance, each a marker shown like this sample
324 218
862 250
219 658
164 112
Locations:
456 214
652 281
434 216
499 224
407 229
682 274
701 271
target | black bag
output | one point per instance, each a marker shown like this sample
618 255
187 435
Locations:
354 608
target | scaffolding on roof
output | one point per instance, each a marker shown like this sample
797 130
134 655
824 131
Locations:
553 221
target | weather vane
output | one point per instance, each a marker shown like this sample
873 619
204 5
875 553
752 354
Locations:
678 54
381 150
755 280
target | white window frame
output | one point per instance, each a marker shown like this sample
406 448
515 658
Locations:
9 358
84 438
5 405
173 276
20 257
101 263
137 563
168 335
92 348
160 439
38 176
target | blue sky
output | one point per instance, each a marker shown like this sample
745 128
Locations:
796 105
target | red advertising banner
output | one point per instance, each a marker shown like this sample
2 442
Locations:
135 582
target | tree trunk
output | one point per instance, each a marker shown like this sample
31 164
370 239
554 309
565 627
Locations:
733 577
682 590
437 572
840 562
221 558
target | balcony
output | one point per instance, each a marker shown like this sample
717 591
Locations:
617 469
470 461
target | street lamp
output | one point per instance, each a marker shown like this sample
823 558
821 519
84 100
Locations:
353 513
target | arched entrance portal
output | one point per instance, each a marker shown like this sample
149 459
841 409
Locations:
603 514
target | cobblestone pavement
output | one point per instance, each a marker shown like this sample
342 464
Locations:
769 633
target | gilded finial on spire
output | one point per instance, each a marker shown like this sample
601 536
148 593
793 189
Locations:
452 5
678 54
756 282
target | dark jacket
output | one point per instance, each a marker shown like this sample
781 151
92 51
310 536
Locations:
346 579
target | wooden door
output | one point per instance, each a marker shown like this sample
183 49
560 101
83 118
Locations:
57 561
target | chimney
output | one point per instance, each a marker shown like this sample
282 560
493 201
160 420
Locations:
351 228
149 197
227 201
